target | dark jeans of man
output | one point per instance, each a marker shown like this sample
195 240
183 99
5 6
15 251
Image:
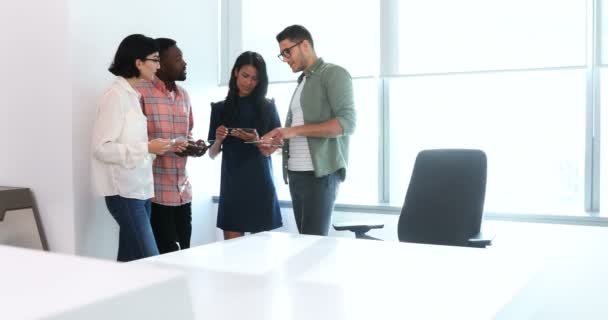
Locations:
313 200
135 240
172 226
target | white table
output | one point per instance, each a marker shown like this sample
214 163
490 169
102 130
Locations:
285 276
43 285
571 285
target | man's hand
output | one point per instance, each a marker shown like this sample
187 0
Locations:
266 149
194 149
277 135
178 145
273 139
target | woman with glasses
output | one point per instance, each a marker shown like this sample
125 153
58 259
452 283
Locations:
122 154
248 200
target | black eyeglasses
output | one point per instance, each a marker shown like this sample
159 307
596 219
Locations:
286 54
157 60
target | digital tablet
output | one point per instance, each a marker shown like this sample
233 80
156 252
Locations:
265 143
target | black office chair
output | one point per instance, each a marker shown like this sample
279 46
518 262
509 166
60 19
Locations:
444 201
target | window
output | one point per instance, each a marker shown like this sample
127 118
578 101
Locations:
513 78
361 186
604 139
603 39
212 169
530 124
343 31
445 35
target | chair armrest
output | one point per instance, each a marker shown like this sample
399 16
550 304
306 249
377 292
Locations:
481 240
358 228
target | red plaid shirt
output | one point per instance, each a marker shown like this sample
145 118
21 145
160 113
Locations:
168 117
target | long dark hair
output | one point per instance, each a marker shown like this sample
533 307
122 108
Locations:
231 106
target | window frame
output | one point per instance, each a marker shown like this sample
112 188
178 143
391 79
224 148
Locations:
597 33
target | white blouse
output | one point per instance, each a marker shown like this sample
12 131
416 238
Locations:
121 163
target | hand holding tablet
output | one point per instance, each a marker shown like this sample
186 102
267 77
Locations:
245 134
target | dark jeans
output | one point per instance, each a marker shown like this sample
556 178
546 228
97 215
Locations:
313 200
172 226
136 239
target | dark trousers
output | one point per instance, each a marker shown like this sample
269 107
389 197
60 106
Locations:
135 240
313 200
172 226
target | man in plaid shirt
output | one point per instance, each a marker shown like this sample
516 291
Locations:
167 107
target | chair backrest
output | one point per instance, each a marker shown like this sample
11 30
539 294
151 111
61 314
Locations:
20 223
445 197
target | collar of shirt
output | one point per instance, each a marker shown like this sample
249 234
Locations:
314 68
122 82
160 85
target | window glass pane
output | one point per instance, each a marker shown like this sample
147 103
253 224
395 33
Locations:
447 35
201 108
604 141
211 170
344 32
530 124
361 185
604 31
361 182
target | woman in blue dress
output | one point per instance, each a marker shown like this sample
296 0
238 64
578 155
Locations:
248 199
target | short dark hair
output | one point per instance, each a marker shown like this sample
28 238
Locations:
295 33
131 48
164 44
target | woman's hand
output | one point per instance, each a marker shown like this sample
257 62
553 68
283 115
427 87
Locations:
220 134
245 135
159 146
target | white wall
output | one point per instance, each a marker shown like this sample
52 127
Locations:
55 57
96 28
36 111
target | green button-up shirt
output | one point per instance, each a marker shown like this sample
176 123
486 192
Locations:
327 94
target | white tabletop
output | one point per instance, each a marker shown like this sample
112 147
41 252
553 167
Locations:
286 276
572 284
43 285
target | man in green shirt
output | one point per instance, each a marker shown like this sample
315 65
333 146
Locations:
315 138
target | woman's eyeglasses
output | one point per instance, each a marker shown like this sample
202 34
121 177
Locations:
157 60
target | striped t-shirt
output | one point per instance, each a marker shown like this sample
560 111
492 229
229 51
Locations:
299 152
